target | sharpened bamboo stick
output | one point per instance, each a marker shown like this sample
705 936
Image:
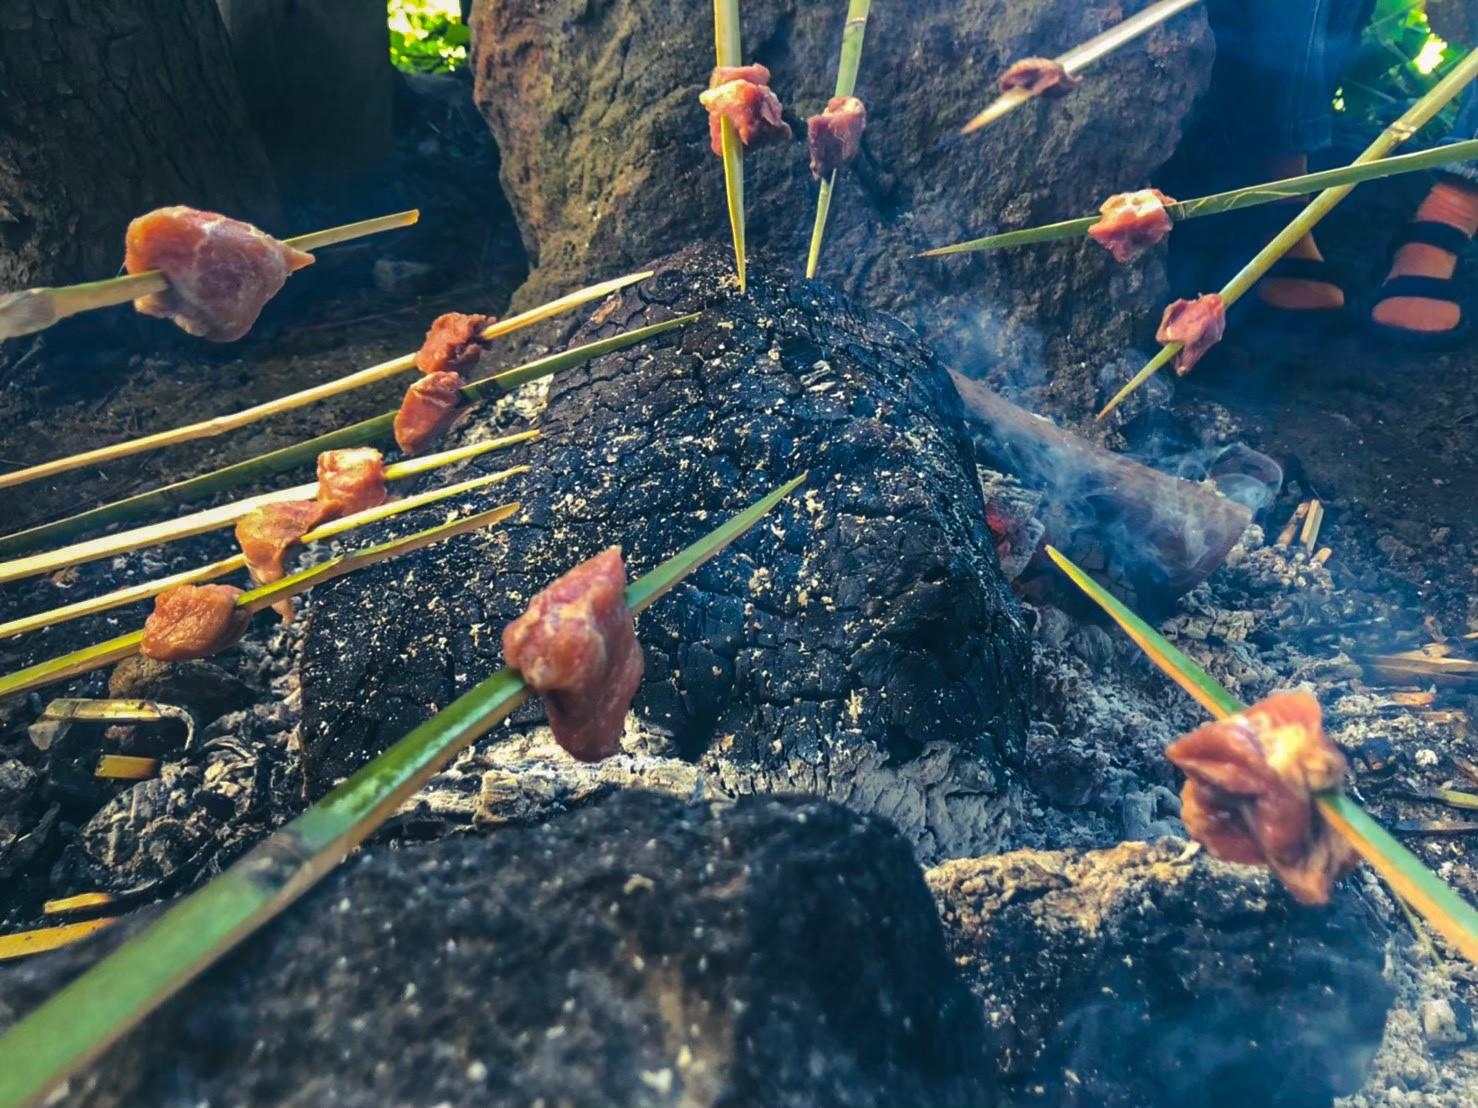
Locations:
29 310
213 519
1084 55
90 1013
1452 916
105 653
728 51
219 425
81 902
853 32
377 429
25 943
1234 200
215 570
1413 120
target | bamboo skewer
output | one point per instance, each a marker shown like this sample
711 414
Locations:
1083 55
728 51
134 593
1234 200
853 32
79 1022
213 519
50 938
29 310
1443 908
114 650
1413 120
376 429
219 425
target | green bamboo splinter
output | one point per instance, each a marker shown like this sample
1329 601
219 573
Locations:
376 429
1412 121
75 1026
1234 200
727 50
1452 916
853 33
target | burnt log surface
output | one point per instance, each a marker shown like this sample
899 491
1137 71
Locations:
638 952
606 159
1148 977
868 619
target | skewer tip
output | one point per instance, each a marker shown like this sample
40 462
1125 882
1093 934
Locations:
25 312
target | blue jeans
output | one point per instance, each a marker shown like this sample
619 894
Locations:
1465 127
1278 63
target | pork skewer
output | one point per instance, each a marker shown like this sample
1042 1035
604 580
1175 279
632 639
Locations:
219 425
1413 120
30 310
728 53
1233 200
133 593
853 33
124 646
1079 58
376 429
214 519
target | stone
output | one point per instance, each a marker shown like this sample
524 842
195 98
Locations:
203 688
1150 976
606 160
639 951
860 644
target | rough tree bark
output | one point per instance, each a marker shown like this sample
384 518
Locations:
317 81
111 108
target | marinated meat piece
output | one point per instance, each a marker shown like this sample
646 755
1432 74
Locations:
835 135
267 533
452 345
1039 76
1131 222
220 271
1249 788
350 481
429 408
741 94
1198 324
193 621
576 647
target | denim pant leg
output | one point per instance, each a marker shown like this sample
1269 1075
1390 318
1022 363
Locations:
1466 127
1281 61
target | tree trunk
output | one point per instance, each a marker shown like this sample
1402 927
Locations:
317 79
111 108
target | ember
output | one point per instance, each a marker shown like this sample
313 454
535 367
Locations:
453 343
220 271
1040 77
193 621
1249 792
835 136
1197 325
429 408
742 95
1131 223
577 648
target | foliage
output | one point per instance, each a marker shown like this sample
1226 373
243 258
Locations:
1397 61
427 36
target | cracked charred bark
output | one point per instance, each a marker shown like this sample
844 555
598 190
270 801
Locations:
111 108
862 645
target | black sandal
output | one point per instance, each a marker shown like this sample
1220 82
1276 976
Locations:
1306 320
1444 237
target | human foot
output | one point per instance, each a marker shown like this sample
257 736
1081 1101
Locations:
1301 280
1417 294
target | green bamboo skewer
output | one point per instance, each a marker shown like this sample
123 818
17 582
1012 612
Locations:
84 1018
92 657
1412 882
29 310
1231 201
377 429
853 32
1413 120
727 49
